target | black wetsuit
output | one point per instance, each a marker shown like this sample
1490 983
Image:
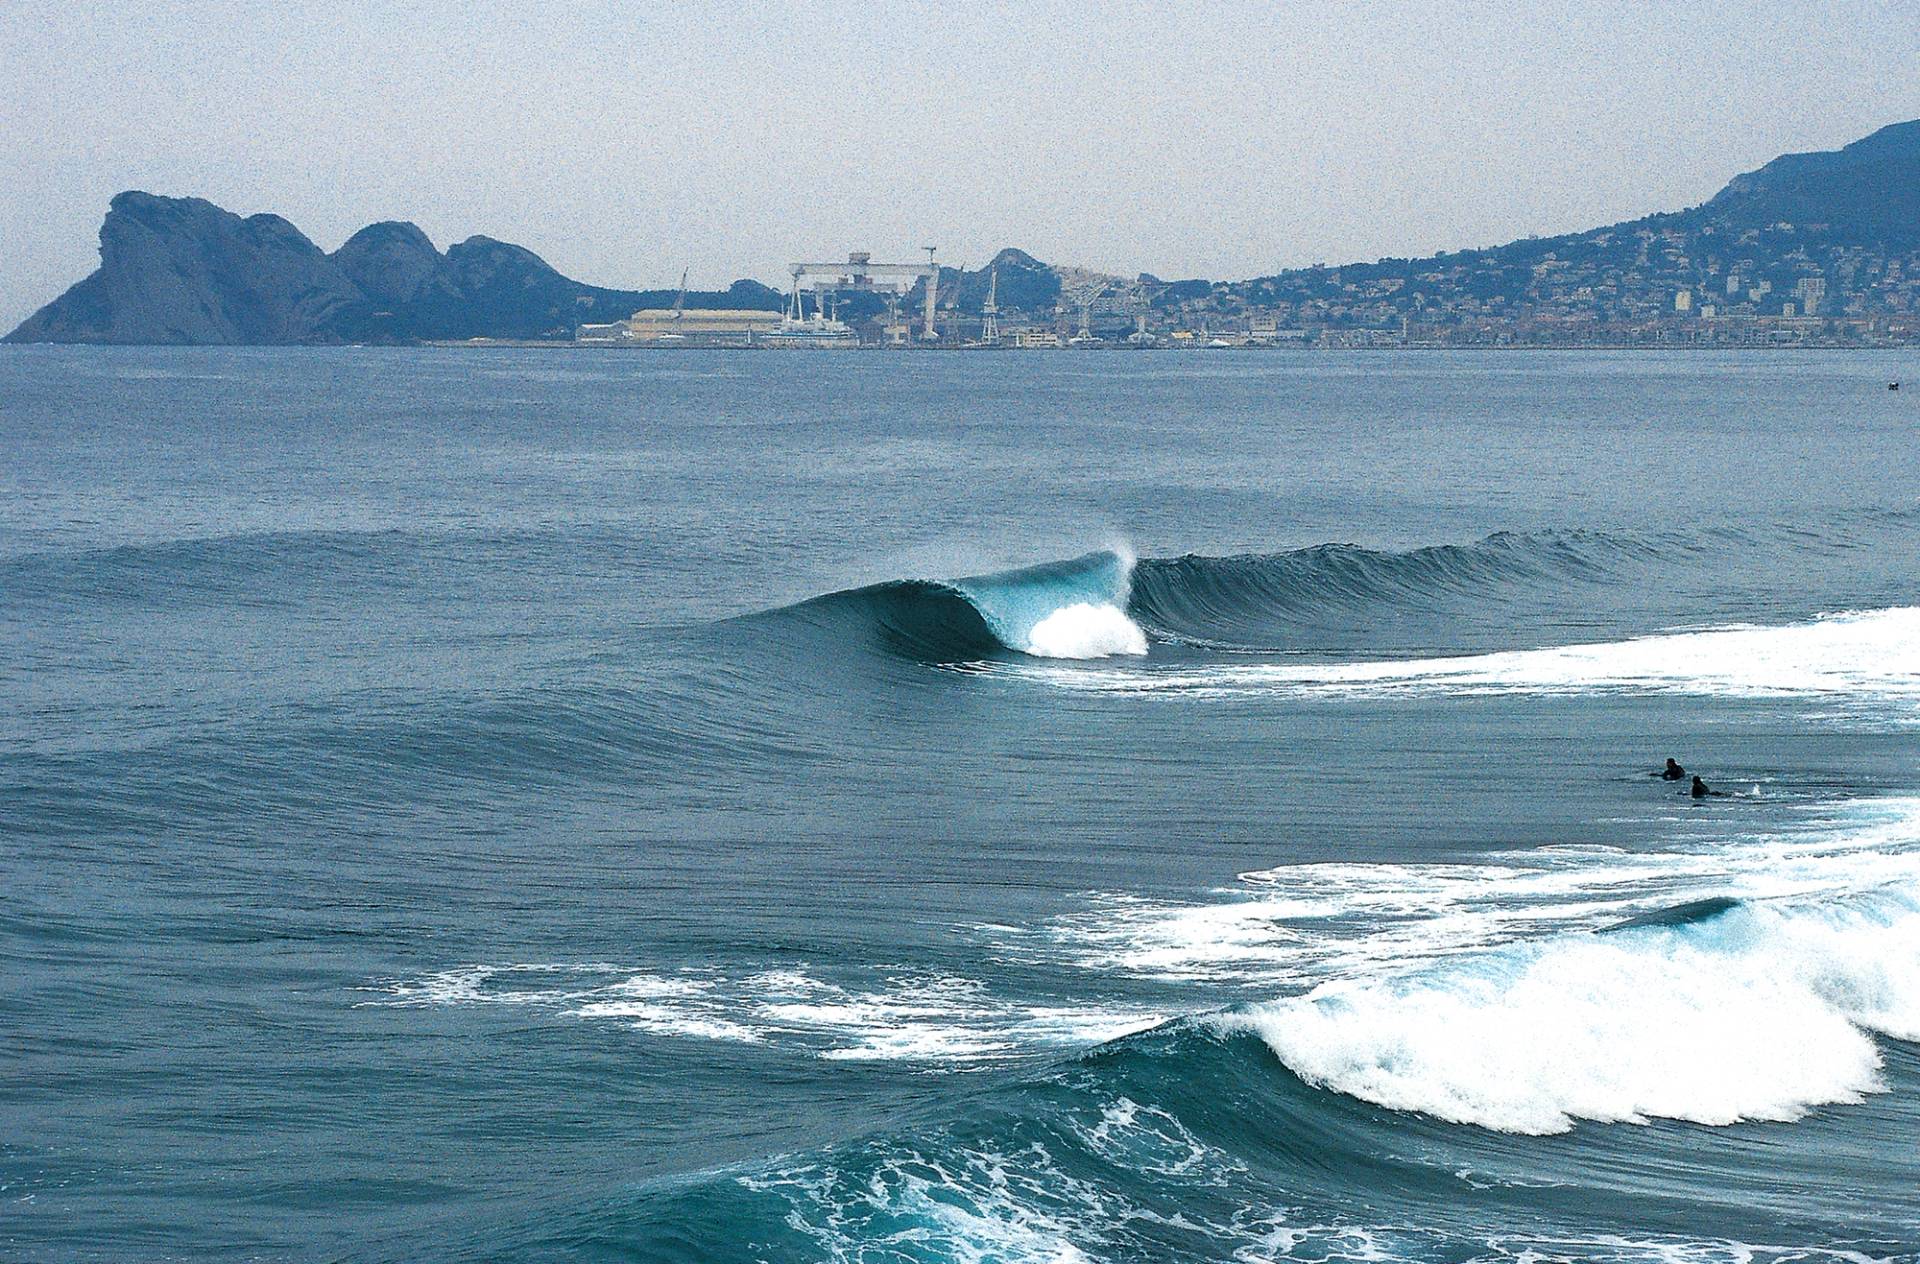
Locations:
1672 772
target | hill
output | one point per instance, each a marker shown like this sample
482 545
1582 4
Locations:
184 271
1819 235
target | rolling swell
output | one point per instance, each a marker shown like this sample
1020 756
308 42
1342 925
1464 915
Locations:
1272 600
1346 598
1106 603
1167 1145
1325 1125
1188 1142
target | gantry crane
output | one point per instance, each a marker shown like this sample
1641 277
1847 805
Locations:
860 272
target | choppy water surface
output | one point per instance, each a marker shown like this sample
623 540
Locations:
514 805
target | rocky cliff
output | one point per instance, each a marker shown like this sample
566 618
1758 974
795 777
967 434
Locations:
184 271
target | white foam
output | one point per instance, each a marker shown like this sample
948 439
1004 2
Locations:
933 1019
976 1206
1086 630
1150 1140
1861 656
671 1020
1296 926
1762 1013
1479 993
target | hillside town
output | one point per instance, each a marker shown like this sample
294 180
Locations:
1660 282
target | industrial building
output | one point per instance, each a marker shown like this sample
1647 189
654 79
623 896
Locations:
680 327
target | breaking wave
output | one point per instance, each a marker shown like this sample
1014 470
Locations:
1106 604
1070 609
1752 980
1328 599
1760 1013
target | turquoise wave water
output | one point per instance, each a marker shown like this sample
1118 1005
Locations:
482 808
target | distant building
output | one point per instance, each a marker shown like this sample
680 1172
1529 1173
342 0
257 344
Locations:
717 327
1683 301
1811 291
670 327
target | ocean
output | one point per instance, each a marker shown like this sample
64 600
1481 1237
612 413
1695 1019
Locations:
499 805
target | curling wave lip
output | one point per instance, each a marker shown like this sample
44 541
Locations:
1069 609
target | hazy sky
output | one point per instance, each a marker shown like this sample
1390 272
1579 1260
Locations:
626 141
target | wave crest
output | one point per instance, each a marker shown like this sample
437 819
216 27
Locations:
1105 604
1265 601
1070 609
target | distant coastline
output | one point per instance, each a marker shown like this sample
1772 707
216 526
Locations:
1121 349
1811 250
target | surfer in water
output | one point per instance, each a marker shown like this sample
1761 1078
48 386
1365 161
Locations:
1703 791
1672 772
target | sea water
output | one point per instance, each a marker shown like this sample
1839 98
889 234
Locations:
515 804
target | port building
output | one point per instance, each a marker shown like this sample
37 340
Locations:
684 327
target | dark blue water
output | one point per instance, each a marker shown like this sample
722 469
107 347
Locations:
498 805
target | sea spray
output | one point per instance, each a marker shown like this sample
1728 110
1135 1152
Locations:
1085 630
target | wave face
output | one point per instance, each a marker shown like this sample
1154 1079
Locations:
1069 609
1339 600
1283 600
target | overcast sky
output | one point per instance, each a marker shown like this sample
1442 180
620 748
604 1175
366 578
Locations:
626 141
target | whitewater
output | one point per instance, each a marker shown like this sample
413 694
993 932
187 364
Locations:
1854 656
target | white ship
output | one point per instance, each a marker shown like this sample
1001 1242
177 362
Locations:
823 329
824 332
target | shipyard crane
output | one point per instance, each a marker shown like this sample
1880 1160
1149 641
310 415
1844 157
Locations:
1082 296
933 285
1140 296
860 272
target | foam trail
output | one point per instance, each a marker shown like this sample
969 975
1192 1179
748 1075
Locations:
1860 655
934 1019
1295 926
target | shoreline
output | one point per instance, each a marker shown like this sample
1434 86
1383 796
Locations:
1296 349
